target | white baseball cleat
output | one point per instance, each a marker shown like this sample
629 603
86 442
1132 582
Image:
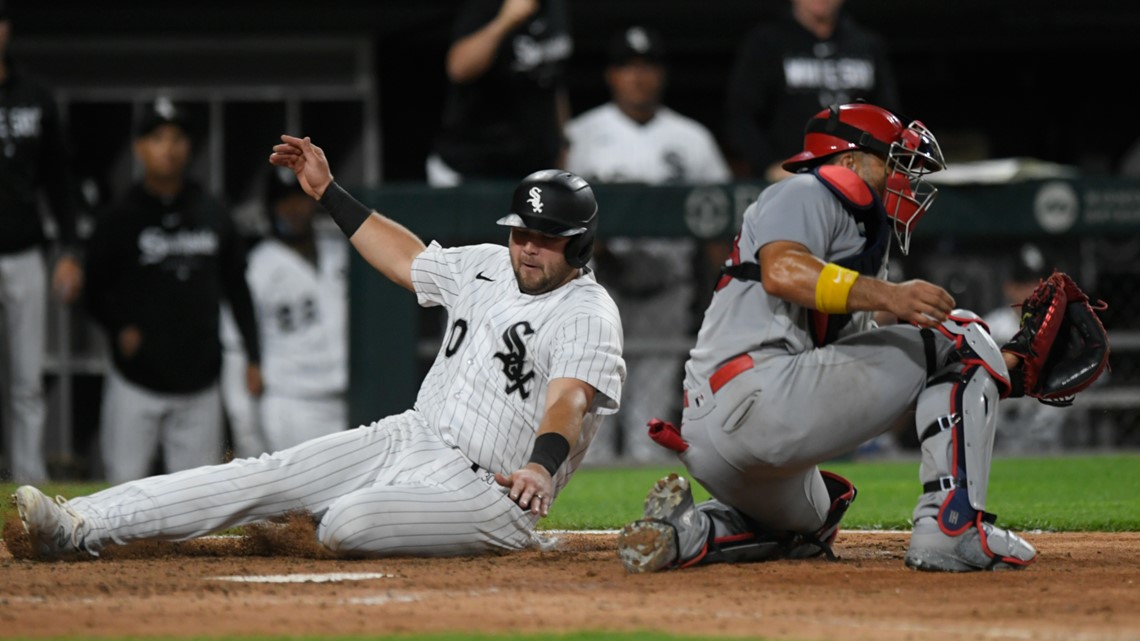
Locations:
53 526
982 547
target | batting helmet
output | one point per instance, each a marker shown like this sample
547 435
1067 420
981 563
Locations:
910 151
557 203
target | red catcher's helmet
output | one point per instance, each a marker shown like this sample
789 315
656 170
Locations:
910 151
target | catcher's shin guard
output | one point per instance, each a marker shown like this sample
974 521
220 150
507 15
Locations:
956 419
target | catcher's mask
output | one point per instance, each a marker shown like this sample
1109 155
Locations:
557 203
910 152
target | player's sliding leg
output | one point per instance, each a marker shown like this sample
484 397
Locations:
956 418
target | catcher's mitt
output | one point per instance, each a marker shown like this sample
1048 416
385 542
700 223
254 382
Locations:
1062 343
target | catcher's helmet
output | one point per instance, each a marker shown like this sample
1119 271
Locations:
910 151
557 203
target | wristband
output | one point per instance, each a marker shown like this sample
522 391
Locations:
833 288
347 212
550 451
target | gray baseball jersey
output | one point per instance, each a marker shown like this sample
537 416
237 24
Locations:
756 438
420 482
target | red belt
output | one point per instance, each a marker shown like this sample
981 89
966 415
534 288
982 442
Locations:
730 370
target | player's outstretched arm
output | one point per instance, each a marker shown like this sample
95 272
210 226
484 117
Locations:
385 244
532 485
793 273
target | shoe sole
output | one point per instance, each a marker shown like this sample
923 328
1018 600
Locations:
650 544
666 496
22 497
647 546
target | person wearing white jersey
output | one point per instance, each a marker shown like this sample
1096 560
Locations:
298 280
634 138
790 370
530 366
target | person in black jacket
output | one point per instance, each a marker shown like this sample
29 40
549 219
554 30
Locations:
506 102
788 69
158 265
33 161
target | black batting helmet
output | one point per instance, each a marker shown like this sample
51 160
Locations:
557 203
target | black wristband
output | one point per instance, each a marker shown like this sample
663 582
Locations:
348 212
550 450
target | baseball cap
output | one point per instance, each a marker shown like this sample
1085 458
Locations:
637 42
1030 265
163 111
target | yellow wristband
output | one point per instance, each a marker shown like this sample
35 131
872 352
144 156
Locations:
833 287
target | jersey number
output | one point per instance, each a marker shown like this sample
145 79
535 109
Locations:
458 333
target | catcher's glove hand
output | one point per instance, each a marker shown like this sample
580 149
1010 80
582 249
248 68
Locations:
1062 344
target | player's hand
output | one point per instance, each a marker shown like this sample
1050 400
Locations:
515 12
531 487
129 340
919 302
306 160
67 279
253 381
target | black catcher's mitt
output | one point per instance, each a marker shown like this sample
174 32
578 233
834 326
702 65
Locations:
1062 343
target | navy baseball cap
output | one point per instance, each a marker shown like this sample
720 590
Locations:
163 111
637 42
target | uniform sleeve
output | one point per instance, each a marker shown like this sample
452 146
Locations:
473 16
237 289
589 348
711 163
577 156
799 211
434 274
59 180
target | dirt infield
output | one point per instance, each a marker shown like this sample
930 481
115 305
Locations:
1084 587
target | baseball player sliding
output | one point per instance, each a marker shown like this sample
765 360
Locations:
789 369
530 365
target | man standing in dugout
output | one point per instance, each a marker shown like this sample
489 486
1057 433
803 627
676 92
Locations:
33 161
158 265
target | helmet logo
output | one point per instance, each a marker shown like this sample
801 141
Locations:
535 199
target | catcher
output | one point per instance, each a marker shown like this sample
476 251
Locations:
790 370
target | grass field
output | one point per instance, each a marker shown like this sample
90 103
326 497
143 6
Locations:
1072 493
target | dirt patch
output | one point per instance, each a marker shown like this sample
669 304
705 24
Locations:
1084 586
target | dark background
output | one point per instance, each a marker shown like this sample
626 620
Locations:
1043 79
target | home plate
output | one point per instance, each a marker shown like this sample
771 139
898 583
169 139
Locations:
331 577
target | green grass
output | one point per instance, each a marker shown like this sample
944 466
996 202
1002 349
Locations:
1075 493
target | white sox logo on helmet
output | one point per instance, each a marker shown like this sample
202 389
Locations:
535 199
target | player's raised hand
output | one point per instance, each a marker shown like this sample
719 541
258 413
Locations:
530 486
306 160
516 12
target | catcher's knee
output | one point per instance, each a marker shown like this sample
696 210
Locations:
973 345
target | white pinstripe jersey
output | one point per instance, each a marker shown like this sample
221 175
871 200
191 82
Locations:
486 391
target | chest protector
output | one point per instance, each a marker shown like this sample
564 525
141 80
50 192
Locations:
862 204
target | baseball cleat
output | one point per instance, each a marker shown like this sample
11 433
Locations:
654 542
53 526
983 547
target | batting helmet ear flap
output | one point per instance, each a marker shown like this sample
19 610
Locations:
580 249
